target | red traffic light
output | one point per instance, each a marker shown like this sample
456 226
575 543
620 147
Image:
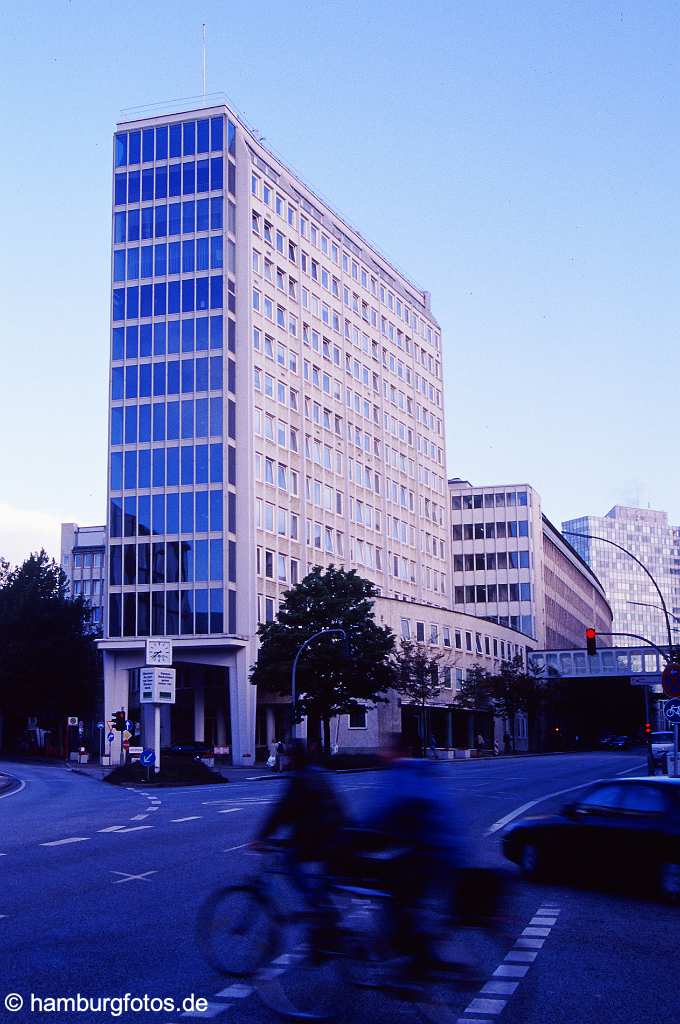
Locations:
591 641
648 728
119 721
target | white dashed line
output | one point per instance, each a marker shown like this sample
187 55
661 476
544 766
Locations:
236 991
191 817
522 956
230 849
230 810
211 1010
111 828
510 971
494 1006
139 817
500 988
536 932
63 842
132 828
144 877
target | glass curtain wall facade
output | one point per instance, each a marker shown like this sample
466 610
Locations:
171 522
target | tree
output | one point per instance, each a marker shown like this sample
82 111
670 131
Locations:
49 661
511 690
332 678
417 679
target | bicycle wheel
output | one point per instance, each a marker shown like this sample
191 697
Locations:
237 931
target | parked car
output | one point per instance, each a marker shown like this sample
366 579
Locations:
624 831
197 751
661 744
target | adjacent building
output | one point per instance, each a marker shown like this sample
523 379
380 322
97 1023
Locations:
83 560
510 565
275 402
635 603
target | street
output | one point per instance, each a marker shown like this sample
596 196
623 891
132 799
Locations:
100 888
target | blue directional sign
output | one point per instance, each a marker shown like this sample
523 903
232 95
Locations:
148 757
672 710
128 724
111 737
100 725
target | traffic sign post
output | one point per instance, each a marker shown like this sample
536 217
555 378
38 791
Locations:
672 712
670 680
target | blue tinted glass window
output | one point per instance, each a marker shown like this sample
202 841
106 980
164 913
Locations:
133 264
231 138
159 378
202 214
231 178
174 258
174 219
173 336
201 333
523 528
216 252
159 421
116 517
187 295
175 180
216 292
231 375
231 512
188 256
117 343
203 136
119 227
187 418
159 338
133 226
130 424
147 144
114 614
147 261
173 377
120 149
119 265
216 511
216 213
116 471
158 467
175 140
132 303
161 182
202 417
216 463
173 467
187 464
202 176
215 332
189 147
117 383
187 611
161 221
201 374
172 513
173 421
201 291
202 620
147 184
144 512
147 222
231 465
131 381
524 559
130 470
115 565
215 417
145 300
202 247
144 467
231 419
187 560
216 173
215 559
158 506
201 512
187 512
119 303
145 380
173 296
145 340
216 133
160 261
117 424
188 334
187 376
231 335
188 216
133 187
201 464
215 373
159 304
120 189
216 611
162 142
134 145
188 178
131 342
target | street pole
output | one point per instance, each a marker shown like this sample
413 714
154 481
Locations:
157 736
293 676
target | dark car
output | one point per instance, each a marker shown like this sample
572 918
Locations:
194 750
624 831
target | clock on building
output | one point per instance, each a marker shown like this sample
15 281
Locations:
159 652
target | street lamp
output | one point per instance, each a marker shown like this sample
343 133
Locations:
293 677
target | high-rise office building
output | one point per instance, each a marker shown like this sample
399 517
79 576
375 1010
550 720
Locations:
635 603
275 403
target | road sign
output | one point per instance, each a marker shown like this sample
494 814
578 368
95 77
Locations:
127 734
157 685
126 744
111 737
148 757
670 680
135 750
672 710
100 725
651 679
128 724
72 719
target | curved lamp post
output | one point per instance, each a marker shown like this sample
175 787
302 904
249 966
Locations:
293 677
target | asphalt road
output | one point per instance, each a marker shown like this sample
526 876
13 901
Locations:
99 888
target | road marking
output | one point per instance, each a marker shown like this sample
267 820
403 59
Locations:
230 849
154 808
63 842
22 785
510 971
530 943
500 988
111 828
532 803
520 956
131 878
139 817
486 1006
236 991
191 817
545 921
230 810
536 932
211 1010
132 828
637 766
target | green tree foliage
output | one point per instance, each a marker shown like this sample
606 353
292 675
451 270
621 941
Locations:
417 679
332 678
511 690
48 657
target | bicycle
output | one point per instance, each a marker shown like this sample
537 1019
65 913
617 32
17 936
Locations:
301 963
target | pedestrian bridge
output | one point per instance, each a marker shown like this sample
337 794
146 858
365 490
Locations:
644 663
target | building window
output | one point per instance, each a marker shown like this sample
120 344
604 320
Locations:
406 629
357 718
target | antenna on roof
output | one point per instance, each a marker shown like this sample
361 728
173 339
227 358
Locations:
205 65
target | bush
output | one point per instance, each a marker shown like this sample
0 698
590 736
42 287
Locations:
175 771
341 761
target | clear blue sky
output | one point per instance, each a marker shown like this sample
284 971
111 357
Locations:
519 159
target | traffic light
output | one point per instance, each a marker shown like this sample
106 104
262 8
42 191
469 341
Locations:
119 721
648 728
591 642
